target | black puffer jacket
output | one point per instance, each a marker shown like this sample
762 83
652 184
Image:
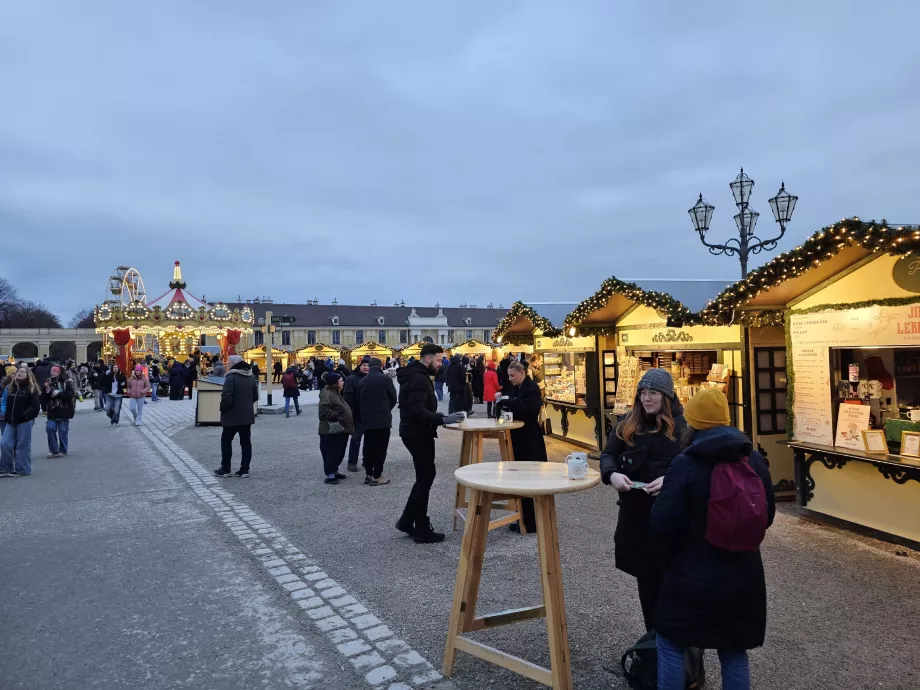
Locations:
524 402
418 405
376 399
238 395
648 459
710 598
350 392
456 376
62 405
21 405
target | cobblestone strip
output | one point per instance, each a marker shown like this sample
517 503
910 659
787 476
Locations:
371 648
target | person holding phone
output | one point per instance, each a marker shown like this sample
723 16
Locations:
635 460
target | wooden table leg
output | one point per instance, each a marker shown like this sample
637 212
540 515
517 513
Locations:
553 594
466 450
469 572
507 453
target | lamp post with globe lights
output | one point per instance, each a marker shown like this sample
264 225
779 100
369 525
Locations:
747 243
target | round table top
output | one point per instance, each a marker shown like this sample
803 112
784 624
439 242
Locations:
524 478
484 424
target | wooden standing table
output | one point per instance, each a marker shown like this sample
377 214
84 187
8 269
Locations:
474 432
487 482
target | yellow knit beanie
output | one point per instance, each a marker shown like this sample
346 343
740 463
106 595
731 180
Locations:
707 409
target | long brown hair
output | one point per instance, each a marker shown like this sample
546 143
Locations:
31 384
639 422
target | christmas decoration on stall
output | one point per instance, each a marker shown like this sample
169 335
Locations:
822 246
520 310
671 309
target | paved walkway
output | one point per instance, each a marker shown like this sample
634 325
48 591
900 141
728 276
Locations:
128 564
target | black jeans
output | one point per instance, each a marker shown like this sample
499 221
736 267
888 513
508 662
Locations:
376 442
332 447
354 446
489 409
648 599
422 452
457 402
226 446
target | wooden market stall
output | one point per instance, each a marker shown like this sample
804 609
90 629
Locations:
471 348
413 350
257 355
638 326
320 351
834 330
370 349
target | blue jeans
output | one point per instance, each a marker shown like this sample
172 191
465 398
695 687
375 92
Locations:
113 407
287 405
439 389
16 448
153 391
58 433
354 446
672 672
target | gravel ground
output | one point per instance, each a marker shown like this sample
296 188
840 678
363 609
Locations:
844 611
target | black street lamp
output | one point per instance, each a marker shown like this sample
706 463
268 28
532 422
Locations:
747 243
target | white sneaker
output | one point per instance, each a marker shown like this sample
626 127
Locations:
137 424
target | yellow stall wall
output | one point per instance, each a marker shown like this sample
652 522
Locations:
869 282
860 494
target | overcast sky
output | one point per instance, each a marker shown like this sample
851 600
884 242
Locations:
469 151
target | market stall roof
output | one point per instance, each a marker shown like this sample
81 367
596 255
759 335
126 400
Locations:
524 319
675 299
320 350
259 350
826 254
472 346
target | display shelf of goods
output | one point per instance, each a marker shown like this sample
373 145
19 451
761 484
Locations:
906 363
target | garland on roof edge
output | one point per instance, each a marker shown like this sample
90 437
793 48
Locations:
659 301
519 309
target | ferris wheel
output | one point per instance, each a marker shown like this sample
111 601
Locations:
125 286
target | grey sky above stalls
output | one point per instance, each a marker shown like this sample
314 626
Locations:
435 152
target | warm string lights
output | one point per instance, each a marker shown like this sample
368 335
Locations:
521 310
661 302
823 245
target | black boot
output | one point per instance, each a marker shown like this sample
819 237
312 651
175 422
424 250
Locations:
404 525
425 534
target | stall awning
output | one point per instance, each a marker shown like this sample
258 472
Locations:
826 254
523 319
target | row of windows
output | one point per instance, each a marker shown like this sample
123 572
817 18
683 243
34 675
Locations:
359 337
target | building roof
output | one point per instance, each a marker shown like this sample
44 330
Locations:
320 315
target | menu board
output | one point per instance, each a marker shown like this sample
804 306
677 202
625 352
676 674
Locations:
626 385
813 335
852 420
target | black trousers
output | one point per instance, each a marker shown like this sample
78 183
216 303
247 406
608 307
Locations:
489 404
648 599
226 446
422 452
376 442
190 384
457 402
176 392
332 447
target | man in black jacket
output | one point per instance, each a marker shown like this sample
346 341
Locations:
419 420
522 398
376 400
350 393
97 376
237 415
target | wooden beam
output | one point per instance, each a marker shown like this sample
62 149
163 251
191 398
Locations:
494 620
508 661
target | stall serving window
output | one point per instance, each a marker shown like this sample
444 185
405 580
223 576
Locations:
886 379
690 369
565 377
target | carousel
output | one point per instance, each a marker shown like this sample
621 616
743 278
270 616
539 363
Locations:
170 325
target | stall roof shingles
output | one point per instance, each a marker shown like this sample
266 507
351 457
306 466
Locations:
320 315
693 294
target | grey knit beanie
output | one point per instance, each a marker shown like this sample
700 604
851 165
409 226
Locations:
657 380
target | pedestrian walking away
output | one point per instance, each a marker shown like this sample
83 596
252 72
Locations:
522 398
713 595
277 371
114 382
350 393
60 398
376 400
419 420
291 390
336 424
238 397
22 405
177 376
456 385
137 388
191 377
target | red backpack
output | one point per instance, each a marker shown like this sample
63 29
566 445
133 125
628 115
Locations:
737 518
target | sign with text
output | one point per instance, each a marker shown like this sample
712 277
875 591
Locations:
906 273
564 344
852 420
813 335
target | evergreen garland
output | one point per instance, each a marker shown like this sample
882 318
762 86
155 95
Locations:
519 309
661 302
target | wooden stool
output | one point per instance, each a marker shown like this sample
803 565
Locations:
474 432
487 482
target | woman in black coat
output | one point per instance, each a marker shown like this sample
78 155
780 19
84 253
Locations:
637 456
177 380
710 598
524 402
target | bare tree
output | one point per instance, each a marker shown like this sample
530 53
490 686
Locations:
82 319
27 314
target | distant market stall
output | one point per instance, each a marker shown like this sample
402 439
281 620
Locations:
370 349
473 347
170 325
258 355
320 351
835 348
